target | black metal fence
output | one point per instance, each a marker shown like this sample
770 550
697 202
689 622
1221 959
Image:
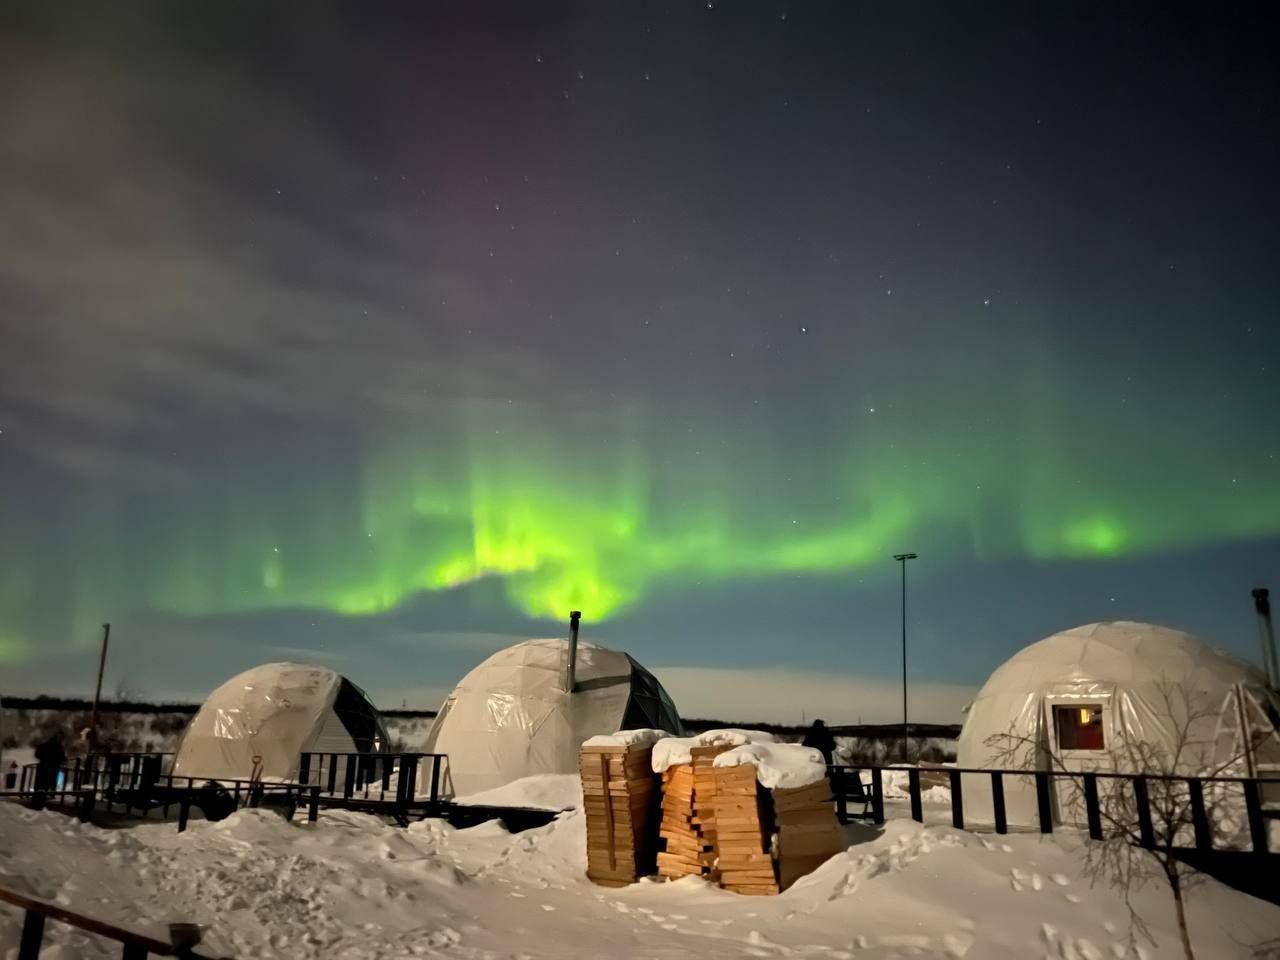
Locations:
97 771
371 778
133 783
850 789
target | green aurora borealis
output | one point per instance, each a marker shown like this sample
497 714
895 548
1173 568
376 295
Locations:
597 527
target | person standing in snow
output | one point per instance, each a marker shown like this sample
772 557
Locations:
820 739
50 756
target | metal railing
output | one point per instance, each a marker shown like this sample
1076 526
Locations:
368 777
100 771
133 783
137 946
847 785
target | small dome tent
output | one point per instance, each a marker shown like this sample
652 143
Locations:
511 717
277 711
1079 695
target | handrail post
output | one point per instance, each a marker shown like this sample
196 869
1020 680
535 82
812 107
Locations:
877 796
1145 831
997 801
1199 819
184 811
1253 806
333 774
313 809
1044 803
837 788
304 768
1092 812
32 935
913 788
349 775
435 780
957 801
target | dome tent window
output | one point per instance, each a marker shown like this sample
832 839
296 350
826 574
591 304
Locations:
1079 727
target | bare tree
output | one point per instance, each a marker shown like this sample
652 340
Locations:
1123 857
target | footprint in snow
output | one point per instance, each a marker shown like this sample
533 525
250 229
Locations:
1037 884
670 926
1072 898
1017 887
518 896
548 907
1060 879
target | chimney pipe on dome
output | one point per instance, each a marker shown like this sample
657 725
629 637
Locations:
571 667
1262 604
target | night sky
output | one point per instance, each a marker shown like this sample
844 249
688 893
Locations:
384 336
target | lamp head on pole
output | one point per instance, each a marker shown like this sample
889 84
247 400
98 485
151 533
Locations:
900 557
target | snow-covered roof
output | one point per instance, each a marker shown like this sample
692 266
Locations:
1121 651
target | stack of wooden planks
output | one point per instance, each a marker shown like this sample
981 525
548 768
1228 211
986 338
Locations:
808 833
618 793
744 832
688 831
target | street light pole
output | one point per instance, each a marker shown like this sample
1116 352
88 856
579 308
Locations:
97 690
902 558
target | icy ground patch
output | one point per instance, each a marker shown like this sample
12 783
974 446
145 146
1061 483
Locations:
352 887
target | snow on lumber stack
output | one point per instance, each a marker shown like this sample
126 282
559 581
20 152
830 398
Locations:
785 765
617 799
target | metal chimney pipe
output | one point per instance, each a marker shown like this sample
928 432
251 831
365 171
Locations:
1271 664
571 667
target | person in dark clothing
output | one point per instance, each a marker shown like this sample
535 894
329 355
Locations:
50 756
820 738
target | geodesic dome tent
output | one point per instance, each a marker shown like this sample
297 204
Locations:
511 717
277 711
1078 697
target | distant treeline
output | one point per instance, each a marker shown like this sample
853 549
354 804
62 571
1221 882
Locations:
874 731
78 704
43 702
871 731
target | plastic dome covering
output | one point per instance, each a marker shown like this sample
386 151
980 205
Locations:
1136 679
277 711
510 717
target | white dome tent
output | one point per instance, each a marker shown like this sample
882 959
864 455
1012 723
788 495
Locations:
1081 693
277 711
511 716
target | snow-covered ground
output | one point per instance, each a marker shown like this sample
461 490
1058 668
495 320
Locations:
351 886
546 791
